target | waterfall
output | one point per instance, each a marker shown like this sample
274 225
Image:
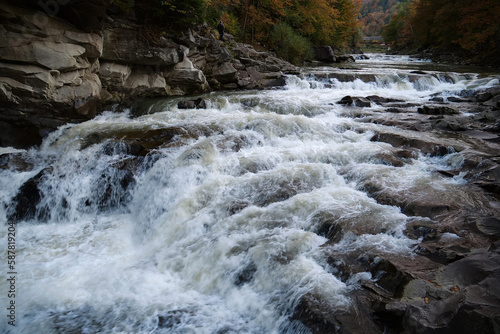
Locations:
213 220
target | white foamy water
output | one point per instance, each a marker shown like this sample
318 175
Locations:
218 233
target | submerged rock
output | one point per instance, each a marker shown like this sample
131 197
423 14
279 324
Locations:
24 206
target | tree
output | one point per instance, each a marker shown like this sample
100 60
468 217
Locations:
470 26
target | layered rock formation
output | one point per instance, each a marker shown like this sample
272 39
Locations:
451 283
53 72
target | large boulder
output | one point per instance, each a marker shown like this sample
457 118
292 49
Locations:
324 54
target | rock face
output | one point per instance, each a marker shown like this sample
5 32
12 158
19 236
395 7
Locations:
53 72
46 63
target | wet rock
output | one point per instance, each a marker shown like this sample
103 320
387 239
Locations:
193 104
464 297
116 147
391 159
458 100
321 318
172 319
232 143
328 226
389 277
148 139
24 205
488 179
426 147
382 100
15 161
396 110
489 226
437 99
245 275
361 57
345 59
111 189
450 123
412 203
437 110
355 101
421 228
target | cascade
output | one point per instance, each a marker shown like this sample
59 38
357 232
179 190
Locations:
218 220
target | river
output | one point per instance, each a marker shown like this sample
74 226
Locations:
224 231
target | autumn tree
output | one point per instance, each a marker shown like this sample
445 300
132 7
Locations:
452 24
322 22
399 32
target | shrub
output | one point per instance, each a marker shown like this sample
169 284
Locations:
289 45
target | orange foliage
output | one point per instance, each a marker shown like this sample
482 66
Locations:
479 24
322 21
471 25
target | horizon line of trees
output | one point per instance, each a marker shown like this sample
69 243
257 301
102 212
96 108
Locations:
469 26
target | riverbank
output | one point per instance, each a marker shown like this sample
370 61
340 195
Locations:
53 72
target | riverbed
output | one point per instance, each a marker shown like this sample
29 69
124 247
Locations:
228 224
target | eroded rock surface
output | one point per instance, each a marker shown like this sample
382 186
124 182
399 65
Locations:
57 67
450 283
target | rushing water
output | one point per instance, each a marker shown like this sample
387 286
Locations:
218 233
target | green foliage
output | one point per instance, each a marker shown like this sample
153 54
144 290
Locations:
374 14
290 45
323 22
398 31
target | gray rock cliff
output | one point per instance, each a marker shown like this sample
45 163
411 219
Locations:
53 72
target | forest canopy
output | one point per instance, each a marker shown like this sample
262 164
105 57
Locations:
374 14
471 26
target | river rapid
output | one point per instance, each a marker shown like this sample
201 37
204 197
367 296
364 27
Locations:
224 231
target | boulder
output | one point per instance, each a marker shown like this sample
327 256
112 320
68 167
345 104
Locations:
193 104
142 83
225 73
24 205
355 101
324 54
345 59
187 81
